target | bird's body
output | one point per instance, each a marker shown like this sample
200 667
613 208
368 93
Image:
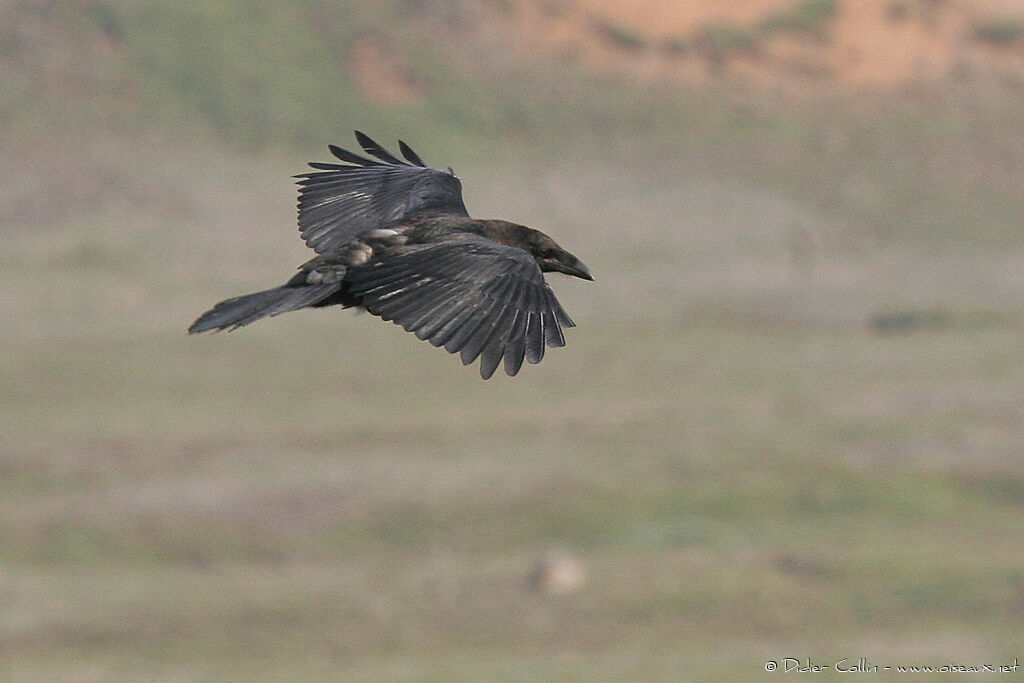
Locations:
395 239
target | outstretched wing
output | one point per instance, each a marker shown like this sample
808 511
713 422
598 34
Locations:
472 296
343 200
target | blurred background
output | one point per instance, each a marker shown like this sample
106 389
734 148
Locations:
789 423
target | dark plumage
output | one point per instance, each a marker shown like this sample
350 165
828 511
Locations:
393 237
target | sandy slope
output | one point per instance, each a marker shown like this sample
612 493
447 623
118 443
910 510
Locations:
882 43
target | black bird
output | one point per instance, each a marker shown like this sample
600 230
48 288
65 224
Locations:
393 237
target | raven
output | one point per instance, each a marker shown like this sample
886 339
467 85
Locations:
393 237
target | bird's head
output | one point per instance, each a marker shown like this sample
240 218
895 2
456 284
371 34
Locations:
549 256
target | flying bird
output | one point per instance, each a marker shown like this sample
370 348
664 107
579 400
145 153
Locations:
393 237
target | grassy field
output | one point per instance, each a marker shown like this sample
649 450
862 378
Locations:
788 424
746 467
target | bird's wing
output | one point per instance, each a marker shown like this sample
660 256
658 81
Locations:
343 200
471 296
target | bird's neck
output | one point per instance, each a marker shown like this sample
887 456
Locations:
502 232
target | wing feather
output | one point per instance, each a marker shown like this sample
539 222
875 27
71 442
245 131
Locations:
427 328
494 346
459 339
410 155
404 304
447 331
515 346
348 156
372 148
472 296
339 201
552 330
535 331
430 314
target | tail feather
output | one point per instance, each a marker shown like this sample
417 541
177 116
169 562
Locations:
242 310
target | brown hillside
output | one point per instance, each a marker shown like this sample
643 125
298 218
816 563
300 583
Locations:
877 43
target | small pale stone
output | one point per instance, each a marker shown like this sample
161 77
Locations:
556 573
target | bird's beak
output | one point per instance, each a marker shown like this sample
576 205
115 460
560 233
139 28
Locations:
570 265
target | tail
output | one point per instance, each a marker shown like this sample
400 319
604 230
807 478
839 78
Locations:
242 310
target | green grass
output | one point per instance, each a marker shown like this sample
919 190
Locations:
620 37
999 32
746 469
720 39
734 482
808 17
